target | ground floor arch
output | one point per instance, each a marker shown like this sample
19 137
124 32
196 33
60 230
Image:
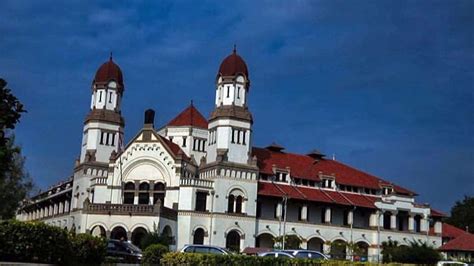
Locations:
98 231
316 244
232 241
137 235
119 233
198 236
264 240
338 249
362 250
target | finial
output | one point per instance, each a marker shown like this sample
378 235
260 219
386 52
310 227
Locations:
235 48
110 58
191 102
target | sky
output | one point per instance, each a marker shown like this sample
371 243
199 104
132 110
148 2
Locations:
385 86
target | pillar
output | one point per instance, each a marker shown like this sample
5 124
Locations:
393 221
304 213
374 219
411 222
327 215
350 217
66 206
61 208
326 248
424 224
438 227
55 209
279 210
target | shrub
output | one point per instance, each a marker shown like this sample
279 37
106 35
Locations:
415 253
154 253
33 242
88 249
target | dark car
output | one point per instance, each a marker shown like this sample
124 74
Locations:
123 251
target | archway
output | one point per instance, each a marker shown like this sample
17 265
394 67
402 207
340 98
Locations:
338 249
362 250
264 240
168 234
119 233
137 236
98 231
316 244
232 241
198 237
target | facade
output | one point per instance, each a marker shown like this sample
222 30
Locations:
203 181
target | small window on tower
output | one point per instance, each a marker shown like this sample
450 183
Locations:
110 97
184 142
102 137
228 91
238 92
113 139
100 96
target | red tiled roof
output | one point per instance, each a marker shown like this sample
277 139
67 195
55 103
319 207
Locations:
464 242
175 149
189 117
436 213
451 231
315 194
233 65
109 71
303 166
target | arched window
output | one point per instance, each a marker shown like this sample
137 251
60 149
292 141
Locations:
129 193
232 241
144 195
238 204
129 186
230 204
198 238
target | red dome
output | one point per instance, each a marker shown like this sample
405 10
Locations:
109 71
233 65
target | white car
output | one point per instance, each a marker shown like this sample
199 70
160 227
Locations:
306 254
205 249
276 254
451 263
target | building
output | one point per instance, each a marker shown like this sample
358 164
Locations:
457 244
202 181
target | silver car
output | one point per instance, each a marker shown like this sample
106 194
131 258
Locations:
306 254
276 254
205 249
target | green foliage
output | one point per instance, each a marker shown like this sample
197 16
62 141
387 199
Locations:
416 253
462 214
192 259
291 242
154 253
33 242
155 238
88 249
41 243
14 182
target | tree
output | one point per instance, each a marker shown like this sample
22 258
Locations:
462 214
15 183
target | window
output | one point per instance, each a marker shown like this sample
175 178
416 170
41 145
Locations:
110 97
233 138
300 213
113 139
198 238
171 138
128 197
201 198
129 186
238 92
238 204
259 209
100 96
184 141
144 195
228 91
323 215
243 138
102 134
230 204
345 218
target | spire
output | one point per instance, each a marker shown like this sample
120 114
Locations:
235 48
110 58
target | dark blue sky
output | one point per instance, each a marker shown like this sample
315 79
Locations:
385 85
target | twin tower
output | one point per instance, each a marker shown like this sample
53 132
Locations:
229 126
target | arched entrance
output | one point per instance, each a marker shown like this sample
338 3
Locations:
168 234
338 249
119 233
264 240
232 241
362 250
137 236
198 237
315 244
98 231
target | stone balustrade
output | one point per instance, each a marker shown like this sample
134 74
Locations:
196 182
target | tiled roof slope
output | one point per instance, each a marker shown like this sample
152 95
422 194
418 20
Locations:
303 166
175 149
189 117
450 231
465 242
316 195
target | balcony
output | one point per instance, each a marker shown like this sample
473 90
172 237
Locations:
196 182
130 209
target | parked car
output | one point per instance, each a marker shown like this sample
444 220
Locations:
124 251
205 249
276 254
452 263
307 254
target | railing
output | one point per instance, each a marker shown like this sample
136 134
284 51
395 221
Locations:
130 209
196 182
99 181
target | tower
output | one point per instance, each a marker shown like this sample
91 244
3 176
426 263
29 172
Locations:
230 124
103 126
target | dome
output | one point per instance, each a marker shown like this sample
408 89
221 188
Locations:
233 65
109 71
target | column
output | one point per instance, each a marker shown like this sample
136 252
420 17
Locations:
279 210
327 215
393 221
374 219
350 217
438 227
55 209
304 213
326 248
411 222
66 206
424 224
61 208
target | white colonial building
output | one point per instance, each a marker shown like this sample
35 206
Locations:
202 181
